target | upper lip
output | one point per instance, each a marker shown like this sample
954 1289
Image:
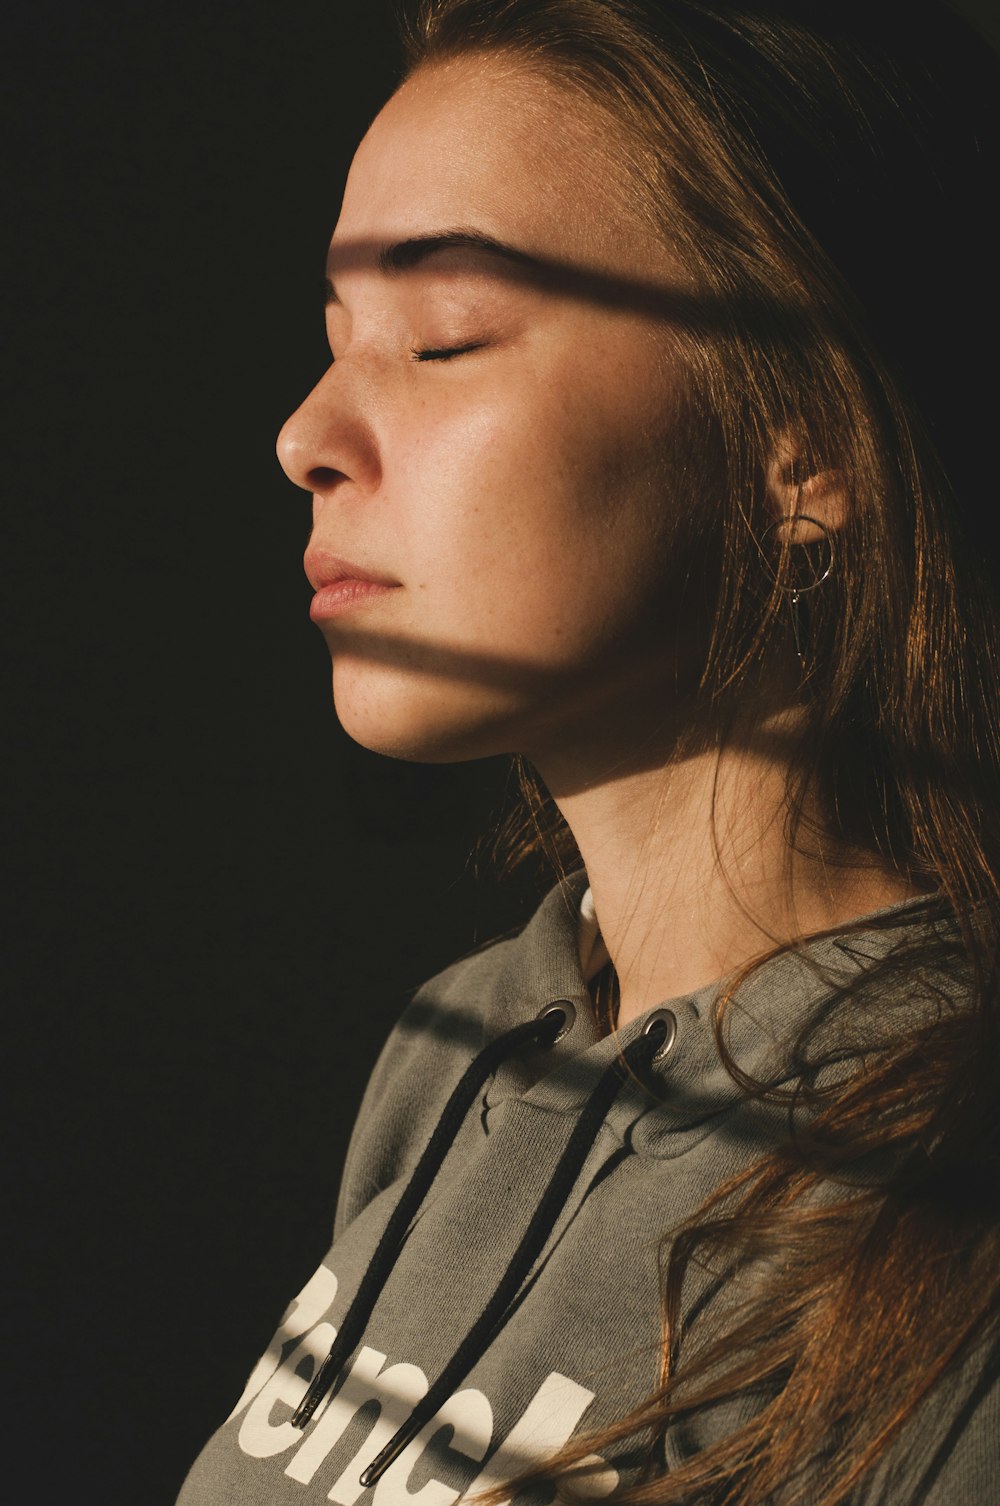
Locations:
324 569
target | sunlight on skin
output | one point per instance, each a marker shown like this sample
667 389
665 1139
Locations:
514 490
506 455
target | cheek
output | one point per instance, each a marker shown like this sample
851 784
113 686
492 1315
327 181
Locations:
535 511
482 503
527 528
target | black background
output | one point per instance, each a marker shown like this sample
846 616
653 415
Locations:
216 903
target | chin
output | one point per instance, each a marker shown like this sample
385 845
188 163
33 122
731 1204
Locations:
421 722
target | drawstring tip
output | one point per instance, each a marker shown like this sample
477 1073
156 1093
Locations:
318 1387
304 1410
390 1453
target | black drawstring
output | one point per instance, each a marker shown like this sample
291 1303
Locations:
543 1031
651 1044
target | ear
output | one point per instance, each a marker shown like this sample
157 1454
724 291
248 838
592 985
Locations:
795 487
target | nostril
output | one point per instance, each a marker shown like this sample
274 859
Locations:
322 478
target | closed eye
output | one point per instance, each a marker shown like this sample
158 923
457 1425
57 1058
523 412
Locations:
445 352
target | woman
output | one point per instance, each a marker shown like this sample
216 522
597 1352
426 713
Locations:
651 453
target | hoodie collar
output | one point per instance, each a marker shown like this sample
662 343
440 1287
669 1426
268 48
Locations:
561 949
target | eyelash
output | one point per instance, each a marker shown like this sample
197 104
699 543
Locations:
445 353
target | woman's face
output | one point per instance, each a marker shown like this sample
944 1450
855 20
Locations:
496 443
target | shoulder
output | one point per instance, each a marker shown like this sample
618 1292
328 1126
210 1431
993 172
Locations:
440 1030
967 1467
448 1021
452 1016
444 1021
949 1453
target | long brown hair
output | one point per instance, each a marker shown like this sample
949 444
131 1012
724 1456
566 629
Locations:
824 170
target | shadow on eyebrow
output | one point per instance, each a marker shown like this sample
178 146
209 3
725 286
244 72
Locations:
764 316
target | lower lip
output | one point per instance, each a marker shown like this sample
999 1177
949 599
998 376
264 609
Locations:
343 596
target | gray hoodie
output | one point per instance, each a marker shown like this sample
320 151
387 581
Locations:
517 1303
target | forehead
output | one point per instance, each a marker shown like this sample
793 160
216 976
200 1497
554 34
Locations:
485 142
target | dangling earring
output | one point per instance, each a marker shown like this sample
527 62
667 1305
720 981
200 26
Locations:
797 591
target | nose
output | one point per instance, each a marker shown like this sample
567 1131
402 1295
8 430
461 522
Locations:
327 441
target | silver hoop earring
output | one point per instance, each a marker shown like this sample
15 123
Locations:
796 591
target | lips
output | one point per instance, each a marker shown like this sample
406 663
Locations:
341 586
324 570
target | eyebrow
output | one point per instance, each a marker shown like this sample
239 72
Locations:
400 256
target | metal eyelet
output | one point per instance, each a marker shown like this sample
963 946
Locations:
566 1010
661 1022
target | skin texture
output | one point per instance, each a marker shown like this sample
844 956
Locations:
530 501
515 491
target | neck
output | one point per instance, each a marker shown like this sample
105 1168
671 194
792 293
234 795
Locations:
691 871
